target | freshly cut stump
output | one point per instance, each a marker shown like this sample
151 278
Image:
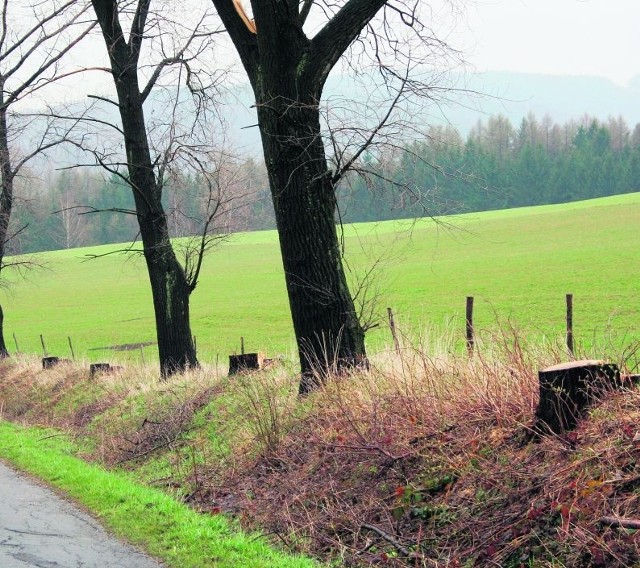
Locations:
566 390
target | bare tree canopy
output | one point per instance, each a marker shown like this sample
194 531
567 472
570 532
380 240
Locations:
157 151
288 67
35 37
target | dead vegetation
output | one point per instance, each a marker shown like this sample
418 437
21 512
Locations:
421 461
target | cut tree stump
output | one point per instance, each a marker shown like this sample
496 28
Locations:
245 362
48 362
566 390
99 368
630 380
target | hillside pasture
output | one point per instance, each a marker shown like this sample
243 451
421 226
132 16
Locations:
518 264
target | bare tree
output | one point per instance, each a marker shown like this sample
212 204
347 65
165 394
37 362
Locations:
288 68
157 150
34 39
72 227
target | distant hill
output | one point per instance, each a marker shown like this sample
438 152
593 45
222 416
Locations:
478 96
563 97
514 95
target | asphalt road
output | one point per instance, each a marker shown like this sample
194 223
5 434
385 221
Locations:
38 528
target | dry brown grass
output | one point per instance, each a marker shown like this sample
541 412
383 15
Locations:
421 461
127 414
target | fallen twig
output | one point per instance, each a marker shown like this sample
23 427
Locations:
369 448
621 522
386 536
137 455
50 436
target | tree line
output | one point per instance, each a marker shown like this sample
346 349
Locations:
82 207
496 166
499 165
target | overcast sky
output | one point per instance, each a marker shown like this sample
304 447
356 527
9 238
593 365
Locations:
577 37
563 37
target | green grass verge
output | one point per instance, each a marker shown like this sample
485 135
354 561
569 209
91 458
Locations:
518 264
146 517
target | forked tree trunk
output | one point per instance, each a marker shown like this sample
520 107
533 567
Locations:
169 286
287 71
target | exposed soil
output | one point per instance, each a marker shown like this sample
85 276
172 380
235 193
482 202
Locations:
124 346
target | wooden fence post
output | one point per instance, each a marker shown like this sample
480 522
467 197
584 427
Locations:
15 340
73 355
570 325
469 325
44 348
392 327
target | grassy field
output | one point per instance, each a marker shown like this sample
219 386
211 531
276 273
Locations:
518 264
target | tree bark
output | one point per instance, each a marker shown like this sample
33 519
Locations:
328 333
170 287
4 352
6 199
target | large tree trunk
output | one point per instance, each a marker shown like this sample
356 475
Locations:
170 291
6 199
4 353
169 285
328 333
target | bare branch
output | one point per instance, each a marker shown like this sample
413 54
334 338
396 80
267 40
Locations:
244 40
104 99
304 12
138 29
51 61
37 27
372 135
330 43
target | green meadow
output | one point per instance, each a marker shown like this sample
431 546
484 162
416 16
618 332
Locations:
518 264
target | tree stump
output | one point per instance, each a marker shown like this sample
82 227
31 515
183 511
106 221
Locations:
566 390
630 380
98 368
245 362
48 362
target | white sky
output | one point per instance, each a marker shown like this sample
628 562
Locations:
569 37
562 37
